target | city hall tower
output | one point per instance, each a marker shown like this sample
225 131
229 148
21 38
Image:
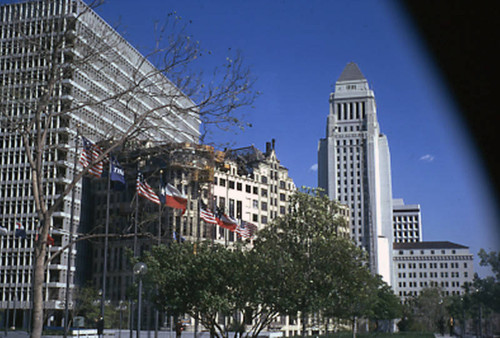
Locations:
354 167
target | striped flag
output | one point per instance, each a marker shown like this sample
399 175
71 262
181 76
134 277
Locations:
207 216
246 229
145 190
90 154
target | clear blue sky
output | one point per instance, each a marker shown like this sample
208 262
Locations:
297 50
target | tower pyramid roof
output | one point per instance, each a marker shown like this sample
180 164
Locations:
351 72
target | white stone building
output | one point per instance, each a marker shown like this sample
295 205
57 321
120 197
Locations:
419 265
407 222
36 38
354 167
252 186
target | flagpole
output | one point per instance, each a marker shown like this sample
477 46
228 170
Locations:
7 319
16 284
136 211
198 221
198 229
157 313
131 319
106 231
214 206
7 313
71 229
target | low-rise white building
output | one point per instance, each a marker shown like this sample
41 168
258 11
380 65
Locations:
420 265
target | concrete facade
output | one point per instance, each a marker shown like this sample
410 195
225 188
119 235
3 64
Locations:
407 222
69 31
419 265
354 167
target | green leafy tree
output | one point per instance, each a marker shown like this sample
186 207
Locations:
427 312
482 296
199 279
87 304
299 264
386 305
319 271
486 290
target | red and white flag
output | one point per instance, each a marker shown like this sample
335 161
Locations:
246 229
90 154
174 198
145 190
208 216
226 222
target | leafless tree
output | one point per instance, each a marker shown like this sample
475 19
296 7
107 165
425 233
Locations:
40 105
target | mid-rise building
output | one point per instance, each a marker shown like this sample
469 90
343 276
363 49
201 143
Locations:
354 167
64 48
407 222
253 186
420 265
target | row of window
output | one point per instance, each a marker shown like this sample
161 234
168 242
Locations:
349 128
426 284
351 111
36 9
432 252
346 142
248 188
432 265
399 219
407 226
442 274
406 234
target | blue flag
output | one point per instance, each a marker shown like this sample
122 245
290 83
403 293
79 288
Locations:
117 172
178 238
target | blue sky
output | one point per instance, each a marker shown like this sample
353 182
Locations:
297 50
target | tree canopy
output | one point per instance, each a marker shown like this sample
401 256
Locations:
300 264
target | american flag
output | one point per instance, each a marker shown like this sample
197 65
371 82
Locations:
207 216
145 190
246 229
90 154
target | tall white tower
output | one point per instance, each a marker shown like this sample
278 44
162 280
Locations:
354 167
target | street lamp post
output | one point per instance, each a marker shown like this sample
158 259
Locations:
140 269
121 307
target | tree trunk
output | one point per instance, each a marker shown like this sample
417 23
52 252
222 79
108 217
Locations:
38 278
354 327
303 324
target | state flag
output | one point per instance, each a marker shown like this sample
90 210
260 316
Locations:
225 221
174 198
117 172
